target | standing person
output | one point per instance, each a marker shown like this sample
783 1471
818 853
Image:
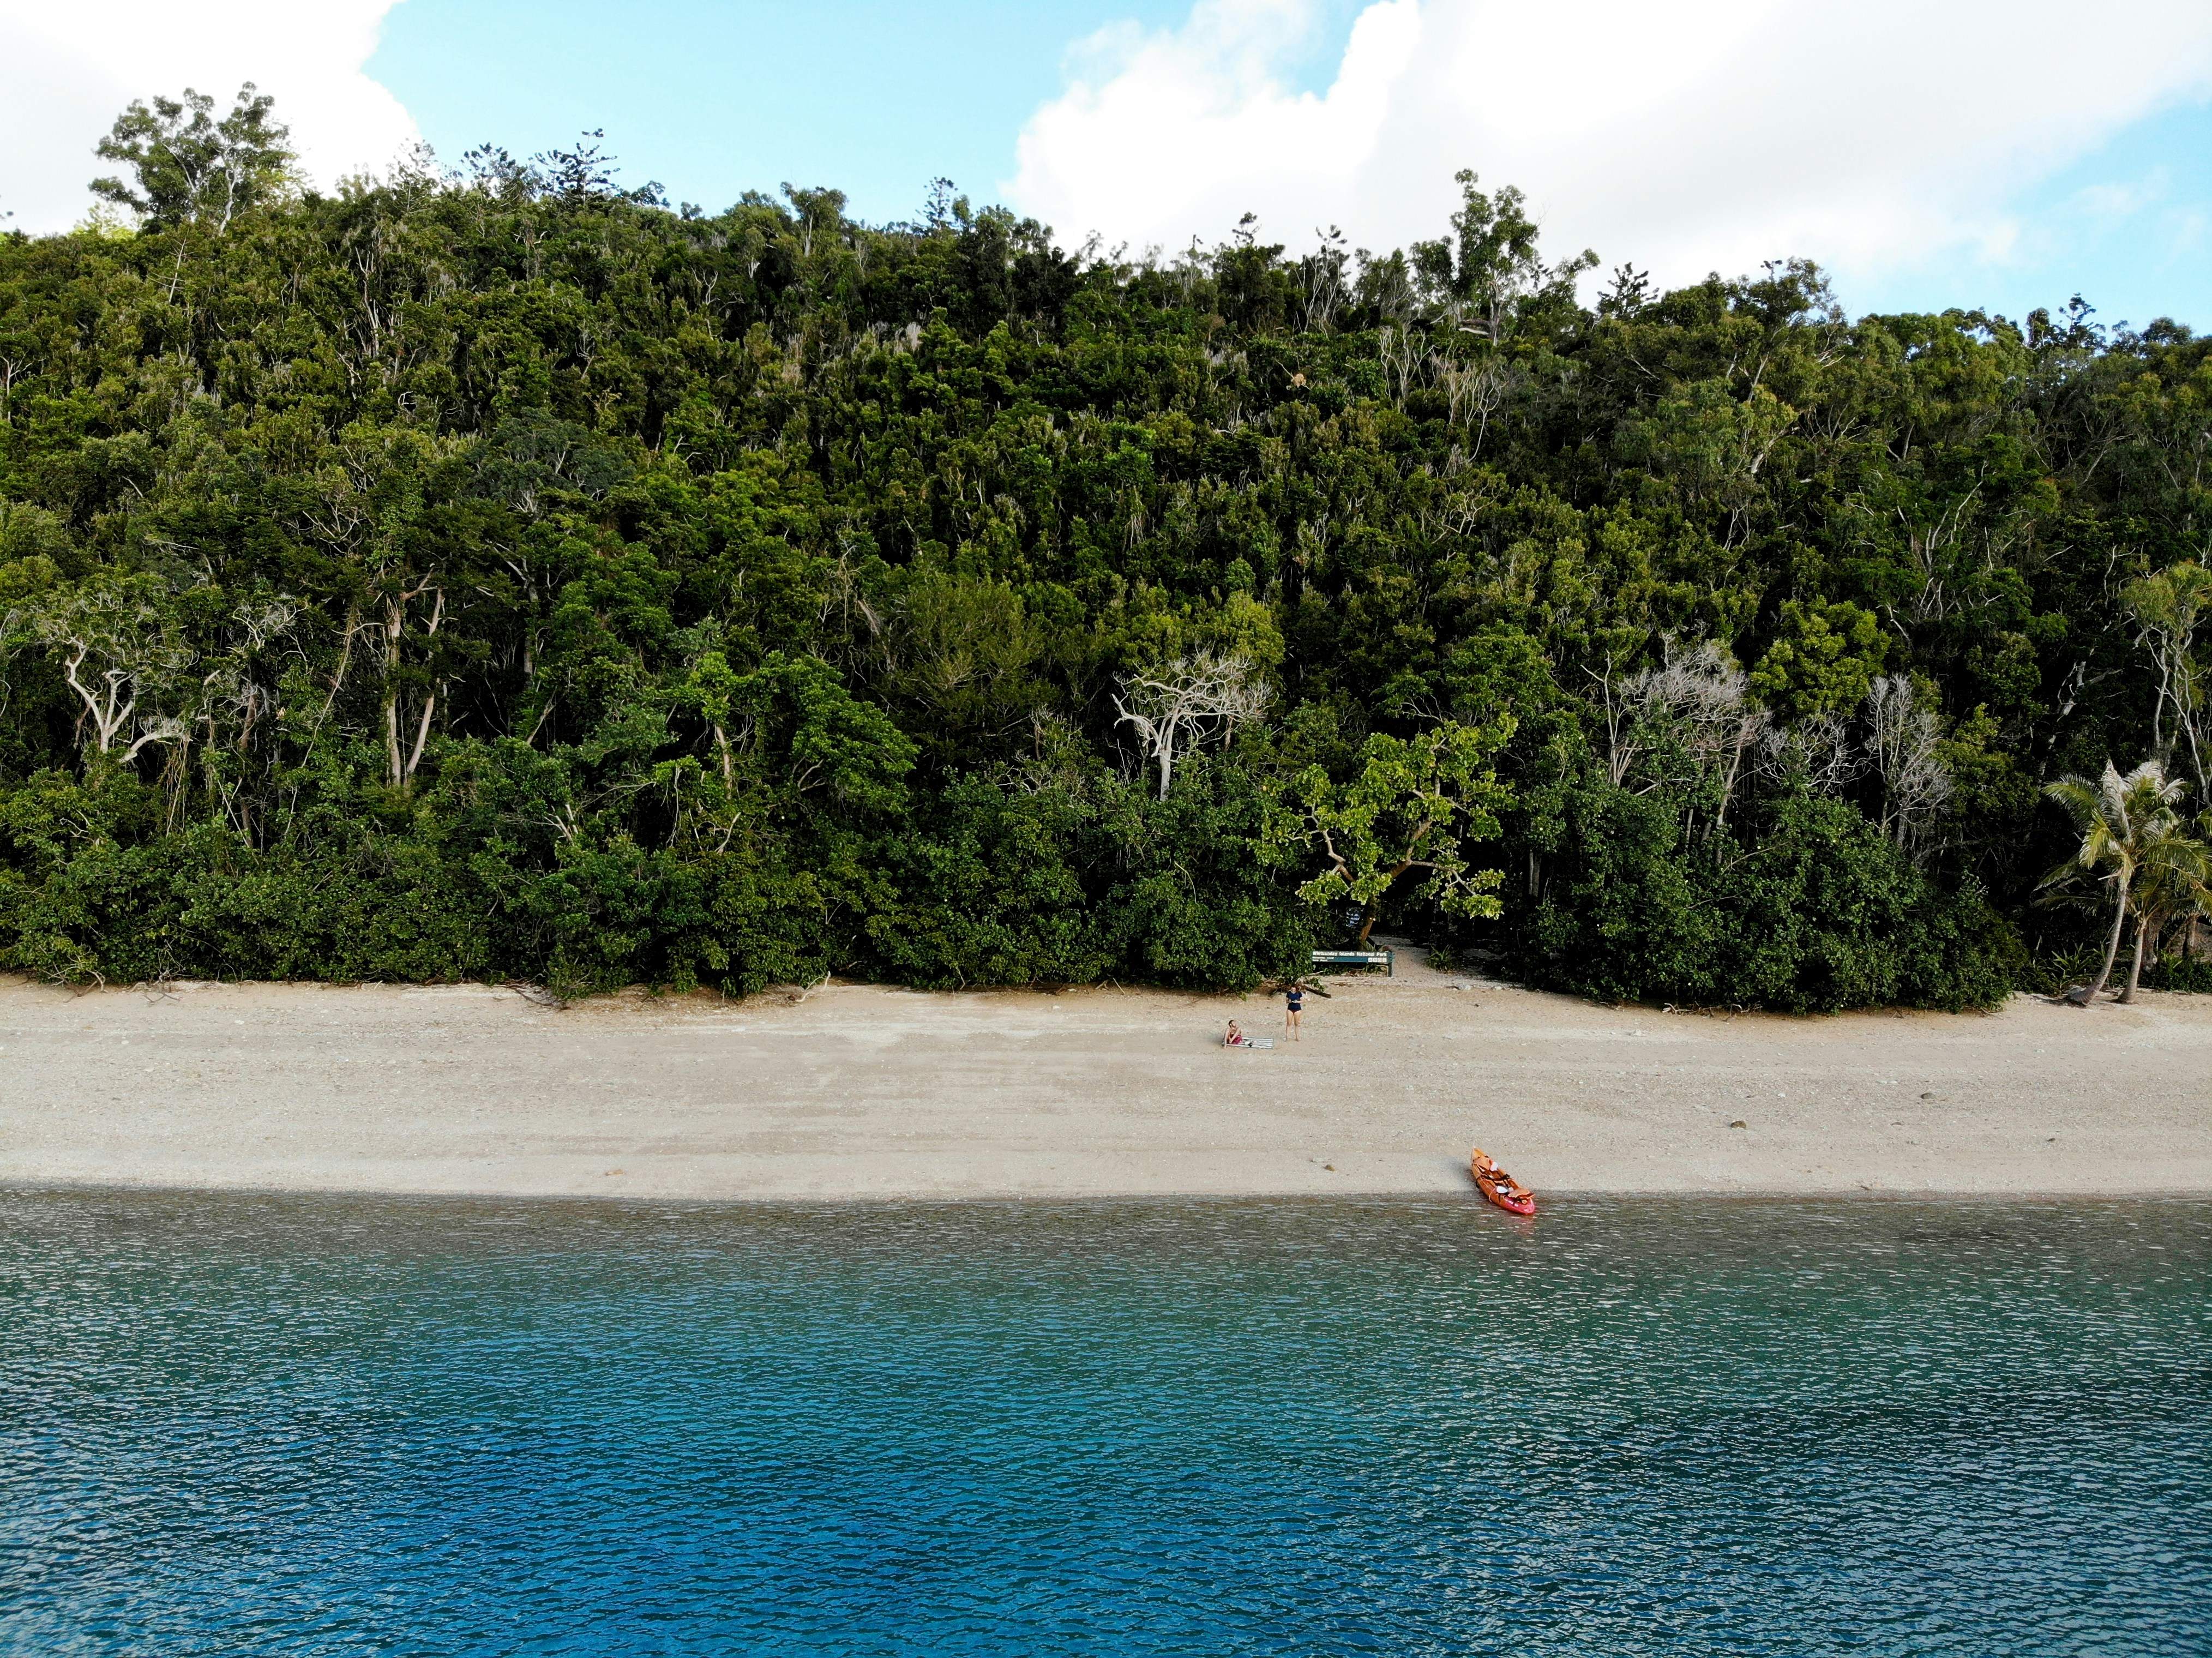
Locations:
1294 1003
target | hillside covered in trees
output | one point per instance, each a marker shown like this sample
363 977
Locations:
502 573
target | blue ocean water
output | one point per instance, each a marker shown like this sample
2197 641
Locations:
267 1425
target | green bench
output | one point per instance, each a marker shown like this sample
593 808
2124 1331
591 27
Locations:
1385 959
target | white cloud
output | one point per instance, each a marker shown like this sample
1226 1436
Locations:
2123 198
1685 137
66 71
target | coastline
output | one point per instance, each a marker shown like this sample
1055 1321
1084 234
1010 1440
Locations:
858 1092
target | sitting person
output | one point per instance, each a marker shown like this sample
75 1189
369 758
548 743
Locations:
1235 1038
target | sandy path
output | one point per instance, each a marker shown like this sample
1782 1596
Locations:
862 1091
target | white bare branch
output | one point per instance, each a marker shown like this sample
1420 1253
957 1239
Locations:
1819 751
1200 697
1902 745
116 646
1695 709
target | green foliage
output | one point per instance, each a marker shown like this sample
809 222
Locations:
2189 974
2134 842
499 574
2170 607
189 168
1823 662
1076 882
1409 805
1822 913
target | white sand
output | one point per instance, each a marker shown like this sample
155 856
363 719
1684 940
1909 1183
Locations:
861 1091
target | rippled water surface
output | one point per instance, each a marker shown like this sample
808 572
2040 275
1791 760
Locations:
249 1425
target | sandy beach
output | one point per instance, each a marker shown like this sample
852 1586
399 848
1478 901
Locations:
853 1090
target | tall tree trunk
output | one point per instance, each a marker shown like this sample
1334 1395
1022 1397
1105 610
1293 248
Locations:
2112 944
338 674
422 736
2135 970
395 761
395 622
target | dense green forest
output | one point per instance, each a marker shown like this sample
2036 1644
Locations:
502 573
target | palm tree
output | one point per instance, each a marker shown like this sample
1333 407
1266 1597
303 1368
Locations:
2175 878
2123 822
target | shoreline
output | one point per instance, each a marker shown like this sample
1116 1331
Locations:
1551 1195
851 1091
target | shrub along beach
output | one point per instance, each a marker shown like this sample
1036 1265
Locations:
503 573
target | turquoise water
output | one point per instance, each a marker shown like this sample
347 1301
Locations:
260 1425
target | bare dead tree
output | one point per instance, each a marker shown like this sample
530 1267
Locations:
1694 708
1902 741
1200 697
1817 751
1396 348
1475 392
1618 704
1321 279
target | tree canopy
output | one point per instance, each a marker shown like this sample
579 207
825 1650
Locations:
187 166
499 573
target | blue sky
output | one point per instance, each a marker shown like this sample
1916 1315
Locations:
714 97
2004 153
2128 227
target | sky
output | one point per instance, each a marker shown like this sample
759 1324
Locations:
2001 154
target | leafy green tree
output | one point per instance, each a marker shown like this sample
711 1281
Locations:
1491 262
188 167
806 733
1824 661
2169 609
1820 911
1411 805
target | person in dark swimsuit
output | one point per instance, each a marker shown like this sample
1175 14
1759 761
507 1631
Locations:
1294 1003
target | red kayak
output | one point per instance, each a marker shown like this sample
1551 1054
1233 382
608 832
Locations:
1500 1188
